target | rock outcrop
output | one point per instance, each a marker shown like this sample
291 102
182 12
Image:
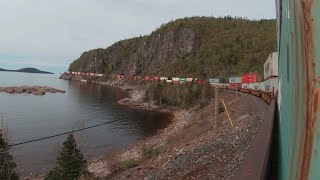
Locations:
195 47
35 90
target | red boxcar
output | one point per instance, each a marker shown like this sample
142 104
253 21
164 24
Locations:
249 78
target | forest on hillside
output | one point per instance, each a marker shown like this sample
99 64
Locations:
196 47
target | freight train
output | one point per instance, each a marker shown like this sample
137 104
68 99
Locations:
242 83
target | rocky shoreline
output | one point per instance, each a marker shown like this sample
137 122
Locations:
187 144
35 90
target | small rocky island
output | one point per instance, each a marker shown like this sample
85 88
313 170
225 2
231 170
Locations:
35 90
27 70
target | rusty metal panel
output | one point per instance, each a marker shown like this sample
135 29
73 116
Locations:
255 92
299 88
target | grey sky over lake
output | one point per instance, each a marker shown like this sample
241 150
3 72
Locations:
50 34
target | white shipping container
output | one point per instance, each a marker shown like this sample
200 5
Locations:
245 85
213 81
271 85
163 78
169 81
175 79
261 86
254 86
271 66
235 80
189 79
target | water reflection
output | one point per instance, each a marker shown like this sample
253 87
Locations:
32 117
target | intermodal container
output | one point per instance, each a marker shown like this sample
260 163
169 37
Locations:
163 78
271 66
245 85
169 81
189 79
147 78
236 80
271 85
261 86
254 86
175 79
183 80
156 78
249 78
214 81
92 74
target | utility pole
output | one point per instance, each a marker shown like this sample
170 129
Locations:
216 104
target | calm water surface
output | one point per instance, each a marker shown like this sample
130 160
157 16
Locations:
29 117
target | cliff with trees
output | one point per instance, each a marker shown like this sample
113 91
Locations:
200 47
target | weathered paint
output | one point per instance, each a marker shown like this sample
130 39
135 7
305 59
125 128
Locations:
299 88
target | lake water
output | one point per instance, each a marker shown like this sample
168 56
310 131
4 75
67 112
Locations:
30 117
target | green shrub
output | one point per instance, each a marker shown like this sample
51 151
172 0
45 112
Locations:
128 164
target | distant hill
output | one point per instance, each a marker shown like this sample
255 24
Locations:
196 47
27 70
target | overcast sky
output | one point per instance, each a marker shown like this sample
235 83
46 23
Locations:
50 34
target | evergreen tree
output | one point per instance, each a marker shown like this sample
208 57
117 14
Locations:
70 162
6 163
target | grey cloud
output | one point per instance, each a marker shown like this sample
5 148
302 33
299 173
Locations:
58 31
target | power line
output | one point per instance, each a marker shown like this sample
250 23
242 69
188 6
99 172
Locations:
56 135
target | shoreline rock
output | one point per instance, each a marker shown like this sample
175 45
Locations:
35 90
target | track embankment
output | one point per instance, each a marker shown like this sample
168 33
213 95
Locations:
188 147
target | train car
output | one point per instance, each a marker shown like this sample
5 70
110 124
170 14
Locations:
156 78
189 79
254 86
245 85
183 80
163 78
214 81
235 80
249 78
298 27
176 80
271 66
271 85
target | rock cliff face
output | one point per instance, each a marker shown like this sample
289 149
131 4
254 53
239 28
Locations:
198 46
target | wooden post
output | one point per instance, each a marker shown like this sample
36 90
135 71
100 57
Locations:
216 104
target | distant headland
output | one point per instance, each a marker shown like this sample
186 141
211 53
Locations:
27 70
